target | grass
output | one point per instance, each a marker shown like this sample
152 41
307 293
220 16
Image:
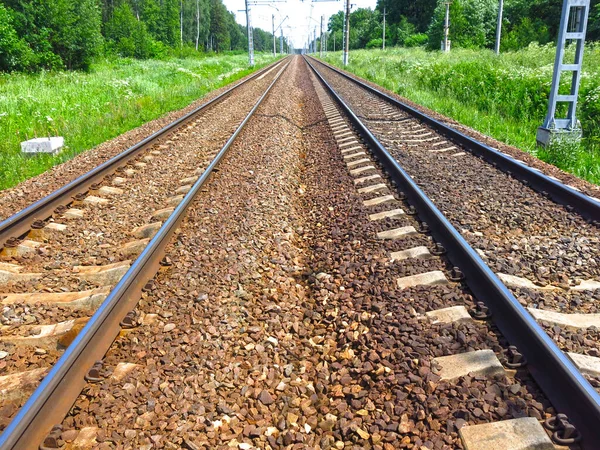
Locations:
504 96
90 108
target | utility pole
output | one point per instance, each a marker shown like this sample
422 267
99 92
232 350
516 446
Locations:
281 42
334 41
322 41
573 26
274 48
197 23
181 21
499 26
315 40
384 13
446 41
250 38
347 36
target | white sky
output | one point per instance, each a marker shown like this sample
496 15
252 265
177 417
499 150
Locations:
296 27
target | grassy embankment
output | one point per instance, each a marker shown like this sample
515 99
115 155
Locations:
90 108
502 96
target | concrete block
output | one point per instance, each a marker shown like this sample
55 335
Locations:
354 155
421 252
372 188
175 200
118 181
586 285
449 315
361 170
351 149
397 233
433 278
15 277
17 386
183 189
84 299
73 213
162 214
26 246
109 190
379 200
51 145
108 275
140 165
573 321
348 144
587 365
517 282
480 362
95 201
358 162
367 178
53 226
189 180
134 248
525 433
459 154
43 335
393 214
146 231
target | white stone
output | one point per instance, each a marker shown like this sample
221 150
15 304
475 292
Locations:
397 233
480 362
50 145
421 252
449 315
524 433
434 278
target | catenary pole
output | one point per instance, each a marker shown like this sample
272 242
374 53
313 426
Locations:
347 34
384 13
250 38
499 26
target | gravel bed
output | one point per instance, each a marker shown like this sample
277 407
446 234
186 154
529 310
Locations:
521 232
15 199
280 325
532 161
96 239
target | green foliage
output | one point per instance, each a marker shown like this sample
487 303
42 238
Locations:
503 96
472 23
14 52
375 43
112 98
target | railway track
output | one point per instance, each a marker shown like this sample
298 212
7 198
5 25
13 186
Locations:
436 157
315 297
72 255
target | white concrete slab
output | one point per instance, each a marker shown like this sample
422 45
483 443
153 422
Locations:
379 200
587 365
421 252
393 214
573 321
518 282
367 178
480 362
434 278
397 233
449 315
525 433
372 188
361 170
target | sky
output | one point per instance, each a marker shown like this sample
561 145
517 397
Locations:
298 13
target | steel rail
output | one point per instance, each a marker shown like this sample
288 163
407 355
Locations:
53 398
20 223
556 190
569 392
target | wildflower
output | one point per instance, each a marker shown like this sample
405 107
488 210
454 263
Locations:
49 119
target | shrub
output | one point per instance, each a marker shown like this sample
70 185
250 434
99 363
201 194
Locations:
375 43
15 54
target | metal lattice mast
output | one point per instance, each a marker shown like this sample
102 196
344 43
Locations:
250 35
274 45
281 42
573 26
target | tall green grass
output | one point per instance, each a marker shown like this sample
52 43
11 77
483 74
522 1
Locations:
90 108
503 96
